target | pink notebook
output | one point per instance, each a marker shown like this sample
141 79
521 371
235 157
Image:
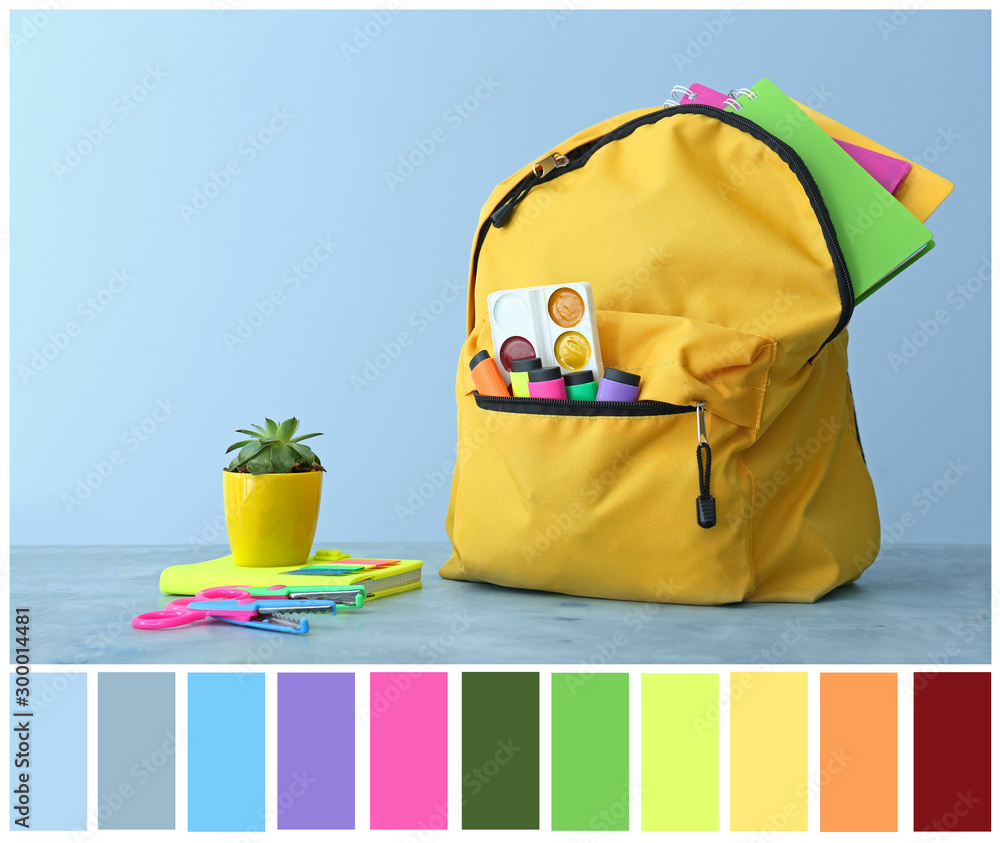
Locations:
702 96
886 170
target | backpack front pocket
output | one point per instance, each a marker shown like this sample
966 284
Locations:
601 498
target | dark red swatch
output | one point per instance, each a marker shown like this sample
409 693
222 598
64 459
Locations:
951 751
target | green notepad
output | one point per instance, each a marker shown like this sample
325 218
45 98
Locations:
878 236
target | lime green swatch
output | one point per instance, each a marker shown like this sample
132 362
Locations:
680 752
590 752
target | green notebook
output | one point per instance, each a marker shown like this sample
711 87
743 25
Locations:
878 236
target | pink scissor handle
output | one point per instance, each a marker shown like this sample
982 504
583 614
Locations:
223 592
175 614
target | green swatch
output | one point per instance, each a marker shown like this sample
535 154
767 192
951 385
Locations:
590 752
680 752
500 750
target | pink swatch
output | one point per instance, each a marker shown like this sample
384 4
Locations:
409 751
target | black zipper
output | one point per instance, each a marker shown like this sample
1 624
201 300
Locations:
560 407
704 503
579 156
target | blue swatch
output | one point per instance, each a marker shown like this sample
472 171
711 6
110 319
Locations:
226 752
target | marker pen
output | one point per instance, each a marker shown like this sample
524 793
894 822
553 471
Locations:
581 386
486 376
617 385
519 374
546 382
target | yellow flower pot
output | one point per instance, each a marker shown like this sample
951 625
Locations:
271 518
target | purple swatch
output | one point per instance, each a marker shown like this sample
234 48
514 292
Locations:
315 750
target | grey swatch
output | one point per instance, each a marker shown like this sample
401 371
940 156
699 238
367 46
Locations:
136 750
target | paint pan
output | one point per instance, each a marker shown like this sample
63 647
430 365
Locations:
557 323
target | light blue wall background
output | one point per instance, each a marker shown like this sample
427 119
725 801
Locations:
155 354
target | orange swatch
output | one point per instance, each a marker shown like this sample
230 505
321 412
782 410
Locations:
858 752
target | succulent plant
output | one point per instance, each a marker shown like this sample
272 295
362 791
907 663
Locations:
272 450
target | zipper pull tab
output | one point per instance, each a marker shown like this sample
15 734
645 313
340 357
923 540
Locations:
501 216
549 163
704 503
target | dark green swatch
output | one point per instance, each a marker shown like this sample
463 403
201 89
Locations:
590 752
500 750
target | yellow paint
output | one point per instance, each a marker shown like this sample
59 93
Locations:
271 518
768 775
572 350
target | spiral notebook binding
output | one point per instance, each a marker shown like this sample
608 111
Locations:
684 91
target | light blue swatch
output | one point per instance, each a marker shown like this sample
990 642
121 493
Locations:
226 752
57 757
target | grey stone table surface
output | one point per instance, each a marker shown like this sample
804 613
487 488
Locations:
918 604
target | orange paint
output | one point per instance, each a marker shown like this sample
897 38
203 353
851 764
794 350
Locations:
572 350
566 307
858 752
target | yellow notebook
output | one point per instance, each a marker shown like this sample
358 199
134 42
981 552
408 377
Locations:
378 582
921 191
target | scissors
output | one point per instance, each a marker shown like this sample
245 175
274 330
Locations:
236 606
349 596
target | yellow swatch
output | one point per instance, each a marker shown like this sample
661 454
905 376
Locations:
768 752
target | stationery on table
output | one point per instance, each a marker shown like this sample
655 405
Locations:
378 578
878 236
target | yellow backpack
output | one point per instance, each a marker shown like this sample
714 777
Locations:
718 279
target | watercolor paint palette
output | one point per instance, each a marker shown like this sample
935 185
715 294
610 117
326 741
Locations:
556 322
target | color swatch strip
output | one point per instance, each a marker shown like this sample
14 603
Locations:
768 774
409 751
48 752
680 751
951 752
858 752
679 736
226 752
315 751
590 788
500 751
136 748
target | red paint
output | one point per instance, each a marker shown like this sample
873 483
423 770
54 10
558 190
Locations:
515 348
951 751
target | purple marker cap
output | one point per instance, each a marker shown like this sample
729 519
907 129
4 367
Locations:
617 385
